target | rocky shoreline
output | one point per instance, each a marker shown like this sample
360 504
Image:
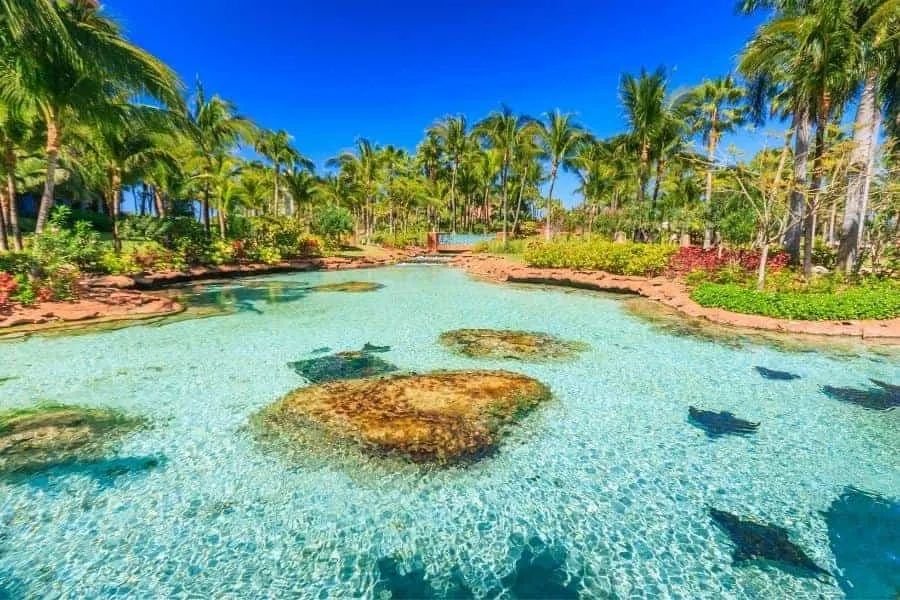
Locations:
672 293
124 298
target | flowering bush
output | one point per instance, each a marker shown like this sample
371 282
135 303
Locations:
8 286
689 260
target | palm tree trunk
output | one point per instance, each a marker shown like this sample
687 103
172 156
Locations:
116 190
49 196
503 179
711 157
4 240
453 197
160 202
222 227
515 226
812 205
660 169
763 259
553 172
798 195
11 194
864 208
864 138
205 216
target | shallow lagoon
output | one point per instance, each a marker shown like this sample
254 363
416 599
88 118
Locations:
604 492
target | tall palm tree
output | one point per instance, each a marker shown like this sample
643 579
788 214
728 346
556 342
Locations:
716 107
879 69
276 146
452 132
808 51
68 77
560 137
643 100
361 166
502 130
17 129
214 127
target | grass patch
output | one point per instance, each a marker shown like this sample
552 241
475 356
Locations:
866 300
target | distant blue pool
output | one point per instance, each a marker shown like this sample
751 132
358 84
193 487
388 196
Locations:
465 239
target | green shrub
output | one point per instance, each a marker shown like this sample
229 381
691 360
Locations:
99 221
59 245
517 246
286 236
866 300
600 255
401 239
332 222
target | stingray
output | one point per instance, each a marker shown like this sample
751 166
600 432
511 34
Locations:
776 375
761 541
718 424
884 396
344 365
371 348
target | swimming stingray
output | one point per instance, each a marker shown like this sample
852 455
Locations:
761 541
885 396
776 375
718 424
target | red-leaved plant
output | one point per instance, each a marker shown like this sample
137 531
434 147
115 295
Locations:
8 286
691 259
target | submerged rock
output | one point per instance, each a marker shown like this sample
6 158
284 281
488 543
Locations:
776 375
761 541
34 438
540 573
371 348
864 535
354 364
721 423
884 396
501 343
443 417
348 286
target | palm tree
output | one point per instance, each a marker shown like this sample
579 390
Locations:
452 132
68 77
502 131
276 146
643 100
716 108
17 128
214 128
560 138
361 166
807 52
879 57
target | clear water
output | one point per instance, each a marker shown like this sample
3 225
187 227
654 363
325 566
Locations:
465 239
603 493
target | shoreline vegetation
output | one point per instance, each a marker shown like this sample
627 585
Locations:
181 186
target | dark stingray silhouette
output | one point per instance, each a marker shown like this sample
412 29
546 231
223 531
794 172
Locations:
761 541
322 350
540 573
864 535
104 471
414 584
371 348
776 375
344 365
884 396
721 423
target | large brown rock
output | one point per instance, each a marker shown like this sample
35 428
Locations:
443 417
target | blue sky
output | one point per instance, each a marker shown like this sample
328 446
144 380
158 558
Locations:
329 72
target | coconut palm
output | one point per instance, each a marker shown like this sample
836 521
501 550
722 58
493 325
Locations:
67 78
716 107
276 146
453 134
213 127
360 166
643 100
560 137
502 131
809 53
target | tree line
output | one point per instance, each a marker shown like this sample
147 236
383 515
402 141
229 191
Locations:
85 114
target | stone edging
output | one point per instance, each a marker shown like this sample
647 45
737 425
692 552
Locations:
674 294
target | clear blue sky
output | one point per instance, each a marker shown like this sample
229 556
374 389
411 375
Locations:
330 71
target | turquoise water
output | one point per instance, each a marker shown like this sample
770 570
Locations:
605 492
465 239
